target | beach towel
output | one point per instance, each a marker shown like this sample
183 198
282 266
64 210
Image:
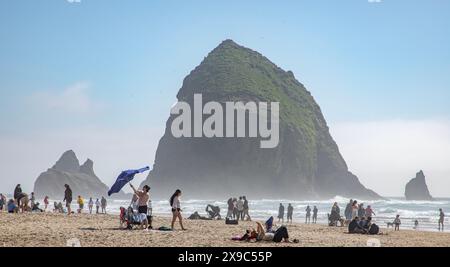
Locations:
124 178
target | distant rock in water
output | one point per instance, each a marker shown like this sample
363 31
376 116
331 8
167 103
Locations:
305 164
67 170
417 189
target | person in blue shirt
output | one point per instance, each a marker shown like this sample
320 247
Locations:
12 207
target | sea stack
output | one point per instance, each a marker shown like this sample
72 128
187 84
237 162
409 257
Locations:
67 170
306 163
417 189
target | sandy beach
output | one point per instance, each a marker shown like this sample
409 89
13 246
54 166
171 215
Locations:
48 229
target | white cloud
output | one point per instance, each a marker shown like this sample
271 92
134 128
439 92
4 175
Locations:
386 154
72 99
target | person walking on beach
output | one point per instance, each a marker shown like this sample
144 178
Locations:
230 208
143 198
240 209
90 205
348 210
315 211
290 212
246 209
104 202
46 203
80 202
176 208
97 206
68 198
441 220
308 214
281 213
397 223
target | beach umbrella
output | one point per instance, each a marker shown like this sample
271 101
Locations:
124 178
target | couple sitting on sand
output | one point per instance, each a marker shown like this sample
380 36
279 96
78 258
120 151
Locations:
363 226
269 234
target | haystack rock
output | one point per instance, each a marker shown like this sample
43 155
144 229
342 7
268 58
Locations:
67 170
417 189
305 164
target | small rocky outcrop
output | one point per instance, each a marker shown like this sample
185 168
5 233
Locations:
417 189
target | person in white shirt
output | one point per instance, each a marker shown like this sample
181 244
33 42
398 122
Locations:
176 208
90 205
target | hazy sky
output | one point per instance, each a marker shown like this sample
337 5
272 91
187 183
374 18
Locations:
99 77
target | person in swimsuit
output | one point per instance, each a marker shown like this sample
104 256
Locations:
176 208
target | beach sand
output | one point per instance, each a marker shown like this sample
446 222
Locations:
48 229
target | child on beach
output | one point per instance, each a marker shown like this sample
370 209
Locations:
97 205
397 223
441 220
46 202
103 202
90 205
281 213
80 202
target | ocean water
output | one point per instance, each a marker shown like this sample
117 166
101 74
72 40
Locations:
426 212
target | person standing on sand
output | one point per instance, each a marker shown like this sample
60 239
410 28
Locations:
104 202
315 211
348 210
290 212
90 205
369 211
397 223
230 208
308 214
361 211
235 210
176 208
2 202
143 198
281 213
32 200
17 193
240 209
97 206
80 202
46 202
441 220
68 198
246 209
355 209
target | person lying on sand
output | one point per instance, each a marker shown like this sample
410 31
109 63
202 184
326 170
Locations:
252 235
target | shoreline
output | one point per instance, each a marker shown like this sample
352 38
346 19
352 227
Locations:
51 229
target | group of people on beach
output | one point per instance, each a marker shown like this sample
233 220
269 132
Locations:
140 203
290 213
22 202
238 209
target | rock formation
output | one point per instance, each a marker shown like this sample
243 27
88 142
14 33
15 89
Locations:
305 164
67 170
417 189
